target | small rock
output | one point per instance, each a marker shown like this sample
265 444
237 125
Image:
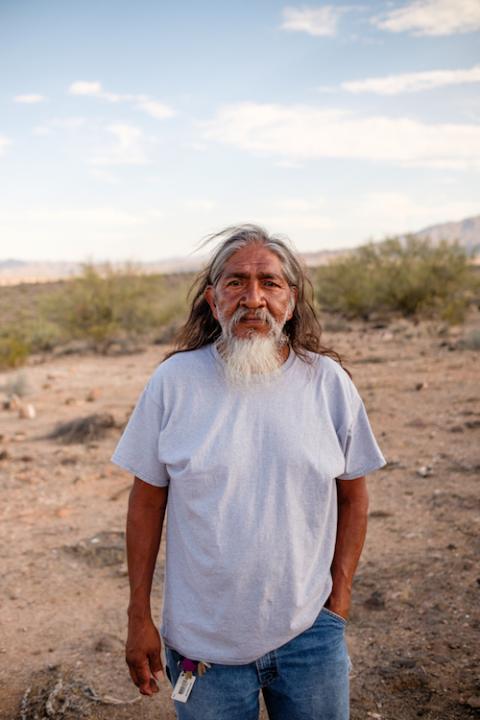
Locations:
107 644
457 429
421 386
93 395
27 412
13 403
4 454
63 512
416 423
376 601
424 471
474 702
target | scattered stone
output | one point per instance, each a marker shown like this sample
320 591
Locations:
69 461
58 697
104 549
376 601
425 471
93 395
123 570
63 512
421 386
13 403
416 423
84 430
473 701
456 429
27 412
404 662
472 424
379 514
4 455
108 644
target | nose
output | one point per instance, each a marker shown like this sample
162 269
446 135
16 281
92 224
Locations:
253 296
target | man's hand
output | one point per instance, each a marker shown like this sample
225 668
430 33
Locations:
146 510
339 604
143 655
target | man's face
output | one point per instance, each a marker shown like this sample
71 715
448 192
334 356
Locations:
252 281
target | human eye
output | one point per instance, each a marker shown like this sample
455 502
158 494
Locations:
232 283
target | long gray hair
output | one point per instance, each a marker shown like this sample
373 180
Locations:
303 329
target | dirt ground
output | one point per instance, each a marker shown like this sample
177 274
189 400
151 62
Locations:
413 633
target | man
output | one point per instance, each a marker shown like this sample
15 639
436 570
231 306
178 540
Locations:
260 442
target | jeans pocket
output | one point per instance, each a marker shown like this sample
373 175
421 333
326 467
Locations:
335 615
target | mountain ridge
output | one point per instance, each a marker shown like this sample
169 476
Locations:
13 271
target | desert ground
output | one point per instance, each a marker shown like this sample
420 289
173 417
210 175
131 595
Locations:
413 633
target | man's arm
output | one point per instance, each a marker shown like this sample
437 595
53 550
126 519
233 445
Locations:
351 530
146 512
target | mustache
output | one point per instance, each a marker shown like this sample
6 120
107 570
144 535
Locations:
258 314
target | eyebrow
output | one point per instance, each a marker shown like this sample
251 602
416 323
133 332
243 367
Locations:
261 275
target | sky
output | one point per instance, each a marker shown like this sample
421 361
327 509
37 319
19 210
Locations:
131 130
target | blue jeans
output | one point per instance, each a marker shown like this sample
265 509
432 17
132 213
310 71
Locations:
305 679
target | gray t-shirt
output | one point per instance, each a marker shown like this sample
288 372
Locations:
252 505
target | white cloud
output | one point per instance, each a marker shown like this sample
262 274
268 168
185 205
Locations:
83 215
82 87
305 132
413 82
129 147
151 107
31 99
317 21
156 109
4 143
432 17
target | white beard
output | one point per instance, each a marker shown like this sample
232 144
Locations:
255 356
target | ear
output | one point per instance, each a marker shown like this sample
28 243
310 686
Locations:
209 296
292 302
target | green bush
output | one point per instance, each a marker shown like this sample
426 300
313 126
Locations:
14 348
410 277
101 307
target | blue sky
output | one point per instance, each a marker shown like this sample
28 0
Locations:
132 130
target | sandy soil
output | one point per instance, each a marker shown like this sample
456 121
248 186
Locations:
413 631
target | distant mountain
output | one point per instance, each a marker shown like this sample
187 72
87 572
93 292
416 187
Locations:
465 232
12 272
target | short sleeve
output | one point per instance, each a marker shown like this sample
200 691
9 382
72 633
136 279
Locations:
137 450
362 454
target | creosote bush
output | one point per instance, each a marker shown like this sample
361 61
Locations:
409 277
105 306
102 307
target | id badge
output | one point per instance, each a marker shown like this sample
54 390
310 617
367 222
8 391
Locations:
183 687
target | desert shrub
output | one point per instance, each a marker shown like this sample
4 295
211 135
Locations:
101 307
14 347
410 277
